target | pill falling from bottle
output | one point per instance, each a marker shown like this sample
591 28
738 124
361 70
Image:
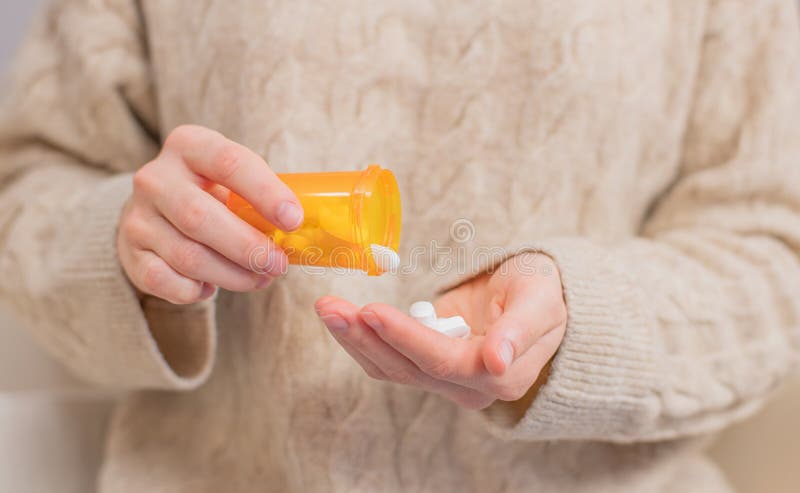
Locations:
386 259
424 313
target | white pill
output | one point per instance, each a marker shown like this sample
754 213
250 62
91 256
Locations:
453 327
385 258
424 313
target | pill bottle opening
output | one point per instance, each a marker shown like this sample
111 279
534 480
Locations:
376 213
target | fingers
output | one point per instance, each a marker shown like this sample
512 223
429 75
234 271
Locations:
177 239
524 372
196 261
341 318
378 359
202 218
211 155
330 318
217 191
437 355
156 278
460 362
532 308
385 352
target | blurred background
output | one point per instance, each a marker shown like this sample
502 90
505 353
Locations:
51 426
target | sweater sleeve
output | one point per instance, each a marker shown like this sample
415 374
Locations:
78 117
689 326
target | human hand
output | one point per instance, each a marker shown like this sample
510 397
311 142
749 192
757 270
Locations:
518 319
177 240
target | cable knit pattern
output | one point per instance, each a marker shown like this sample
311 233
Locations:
651 148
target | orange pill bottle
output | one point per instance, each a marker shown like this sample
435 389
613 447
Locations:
346 213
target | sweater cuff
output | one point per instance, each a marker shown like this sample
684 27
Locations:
603 380
112 333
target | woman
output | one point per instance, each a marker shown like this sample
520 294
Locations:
641 157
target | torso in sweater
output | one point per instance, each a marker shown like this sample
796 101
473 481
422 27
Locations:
527 118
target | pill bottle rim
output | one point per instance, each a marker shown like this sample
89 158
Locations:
364 191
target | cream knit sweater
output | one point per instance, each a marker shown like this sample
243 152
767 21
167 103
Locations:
652 148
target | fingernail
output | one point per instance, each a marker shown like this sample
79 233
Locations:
290 215
506 352
372 320
334 322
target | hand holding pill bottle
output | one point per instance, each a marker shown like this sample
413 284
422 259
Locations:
177 241
352 220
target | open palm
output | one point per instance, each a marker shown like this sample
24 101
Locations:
517 315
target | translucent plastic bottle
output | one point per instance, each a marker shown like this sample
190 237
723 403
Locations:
345 213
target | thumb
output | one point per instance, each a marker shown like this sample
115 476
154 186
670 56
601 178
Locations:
528 314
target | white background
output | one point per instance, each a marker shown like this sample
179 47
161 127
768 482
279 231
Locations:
14 16
51 426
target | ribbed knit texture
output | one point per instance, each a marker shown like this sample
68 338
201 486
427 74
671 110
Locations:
606 374
651 148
